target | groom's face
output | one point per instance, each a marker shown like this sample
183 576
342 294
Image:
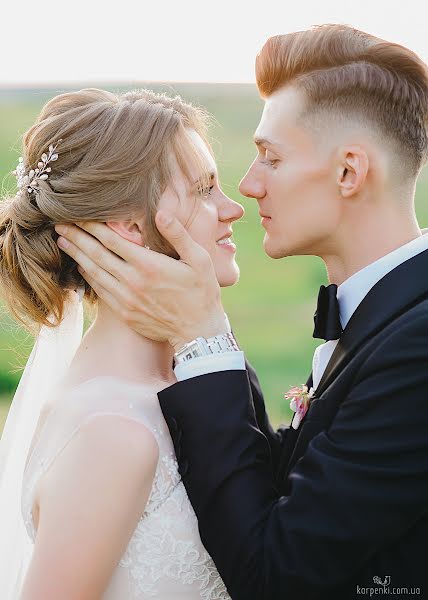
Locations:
294 180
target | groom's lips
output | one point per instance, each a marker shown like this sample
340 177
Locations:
265 219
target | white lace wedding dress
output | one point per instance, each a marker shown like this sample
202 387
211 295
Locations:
165 558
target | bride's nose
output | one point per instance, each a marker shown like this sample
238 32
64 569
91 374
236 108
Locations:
229 210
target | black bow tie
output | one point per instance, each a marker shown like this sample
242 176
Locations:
326 318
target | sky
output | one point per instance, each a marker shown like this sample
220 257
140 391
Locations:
165 40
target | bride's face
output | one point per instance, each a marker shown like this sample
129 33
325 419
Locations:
206 214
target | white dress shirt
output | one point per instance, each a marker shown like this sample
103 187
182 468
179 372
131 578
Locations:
349 294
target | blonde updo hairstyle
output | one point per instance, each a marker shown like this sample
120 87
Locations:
114 163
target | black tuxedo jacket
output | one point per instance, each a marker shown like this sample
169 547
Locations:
321 511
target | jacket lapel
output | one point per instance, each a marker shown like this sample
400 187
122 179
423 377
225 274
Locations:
394 294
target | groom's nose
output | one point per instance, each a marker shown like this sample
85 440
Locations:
252 185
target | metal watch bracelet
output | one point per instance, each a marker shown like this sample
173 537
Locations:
206 346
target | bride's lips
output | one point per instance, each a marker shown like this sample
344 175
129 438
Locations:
227 243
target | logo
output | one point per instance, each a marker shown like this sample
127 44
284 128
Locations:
383 589
378 580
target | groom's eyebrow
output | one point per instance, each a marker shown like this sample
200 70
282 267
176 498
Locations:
264 142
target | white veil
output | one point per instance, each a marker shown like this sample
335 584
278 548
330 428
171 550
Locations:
51 355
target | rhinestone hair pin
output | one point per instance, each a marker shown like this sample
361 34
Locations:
41 173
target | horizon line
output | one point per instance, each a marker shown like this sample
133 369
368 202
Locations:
113 82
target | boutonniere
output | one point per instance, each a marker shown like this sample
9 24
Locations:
300 397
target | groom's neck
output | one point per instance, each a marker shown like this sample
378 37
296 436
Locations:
365 238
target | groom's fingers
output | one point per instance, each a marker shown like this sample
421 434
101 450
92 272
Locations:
114 242
109 292
88 252
89 268
172 230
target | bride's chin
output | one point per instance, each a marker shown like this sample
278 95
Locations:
230 278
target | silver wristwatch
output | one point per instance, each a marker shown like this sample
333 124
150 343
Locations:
206 346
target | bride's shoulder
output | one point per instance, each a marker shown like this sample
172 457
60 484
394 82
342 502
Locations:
101 410
100 433
116 413
101 422
107 467
115 439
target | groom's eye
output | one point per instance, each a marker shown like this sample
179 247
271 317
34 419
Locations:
271 162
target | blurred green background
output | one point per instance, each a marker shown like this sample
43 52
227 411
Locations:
272 306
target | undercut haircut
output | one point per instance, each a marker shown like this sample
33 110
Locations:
347 72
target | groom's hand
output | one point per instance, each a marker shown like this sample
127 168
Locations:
159 297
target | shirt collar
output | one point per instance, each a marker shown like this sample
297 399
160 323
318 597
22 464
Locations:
354 289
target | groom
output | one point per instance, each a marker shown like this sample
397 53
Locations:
336 505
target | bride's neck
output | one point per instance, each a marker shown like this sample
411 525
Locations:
110 347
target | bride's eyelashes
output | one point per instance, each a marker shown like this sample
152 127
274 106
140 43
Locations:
205 191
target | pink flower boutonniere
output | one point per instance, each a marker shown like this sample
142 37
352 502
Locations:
300 397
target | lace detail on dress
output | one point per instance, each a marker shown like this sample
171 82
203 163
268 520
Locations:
163 486
165 557
166 543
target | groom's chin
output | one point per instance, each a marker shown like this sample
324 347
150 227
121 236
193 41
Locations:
274 250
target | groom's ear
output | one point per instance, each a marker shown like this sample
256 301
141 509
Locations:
129 230
352 170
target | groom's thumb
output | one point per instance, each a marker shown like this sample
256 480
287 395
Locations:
174 232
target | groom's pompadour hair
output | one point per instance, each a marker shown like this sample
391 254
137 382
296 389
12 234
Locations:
347 71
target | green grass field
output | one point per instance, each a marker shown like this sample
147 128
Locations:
271 308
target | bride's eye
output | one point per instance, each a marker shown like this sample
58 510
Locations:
205 191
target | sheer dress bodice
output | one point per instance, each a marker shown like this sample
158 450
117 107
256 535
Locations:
165 557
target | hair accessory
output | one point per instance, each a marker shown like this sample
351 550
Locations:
30 180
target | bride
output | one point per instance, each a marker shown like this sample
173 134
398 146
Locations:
91 500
